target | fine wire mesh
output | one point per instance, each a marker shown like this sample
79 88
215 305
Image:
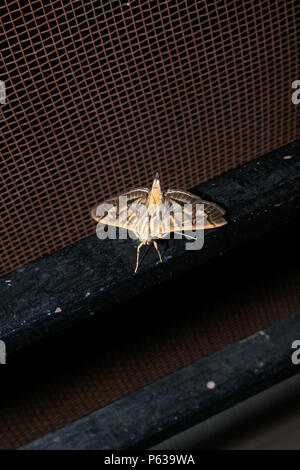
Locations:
101 94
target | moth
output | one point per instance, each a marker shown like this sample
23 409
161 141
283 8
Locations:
152 214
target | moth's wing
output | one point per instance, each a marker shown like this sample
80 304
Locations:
182 207
121 211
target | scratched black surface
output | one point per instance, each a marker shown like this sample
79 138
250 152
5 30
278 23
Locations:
65 287
179 400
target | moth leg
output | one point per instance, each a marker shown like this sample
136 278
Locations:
138 255
156 247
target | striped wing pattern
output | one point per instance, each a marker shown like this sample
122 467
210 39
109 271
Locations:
182 207
152 214
127 215
177 212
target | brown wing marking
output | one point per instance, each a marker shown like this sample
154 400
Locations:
121 215
176 200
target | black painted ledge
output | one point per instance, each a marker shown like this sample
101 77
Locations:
186 397
68 286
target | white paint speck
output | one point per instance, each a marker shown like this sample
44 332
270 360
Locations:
58 310
8 281
262 333
288 157
87 294
210 385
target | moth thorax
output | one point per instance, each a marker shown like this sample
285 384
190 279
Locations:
155 197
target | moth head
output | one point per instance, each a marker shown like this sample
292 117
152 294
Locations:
156 183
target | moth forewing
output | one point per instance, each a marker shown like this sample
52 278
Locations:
106 216
123 218
178 220
170 218
188 217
